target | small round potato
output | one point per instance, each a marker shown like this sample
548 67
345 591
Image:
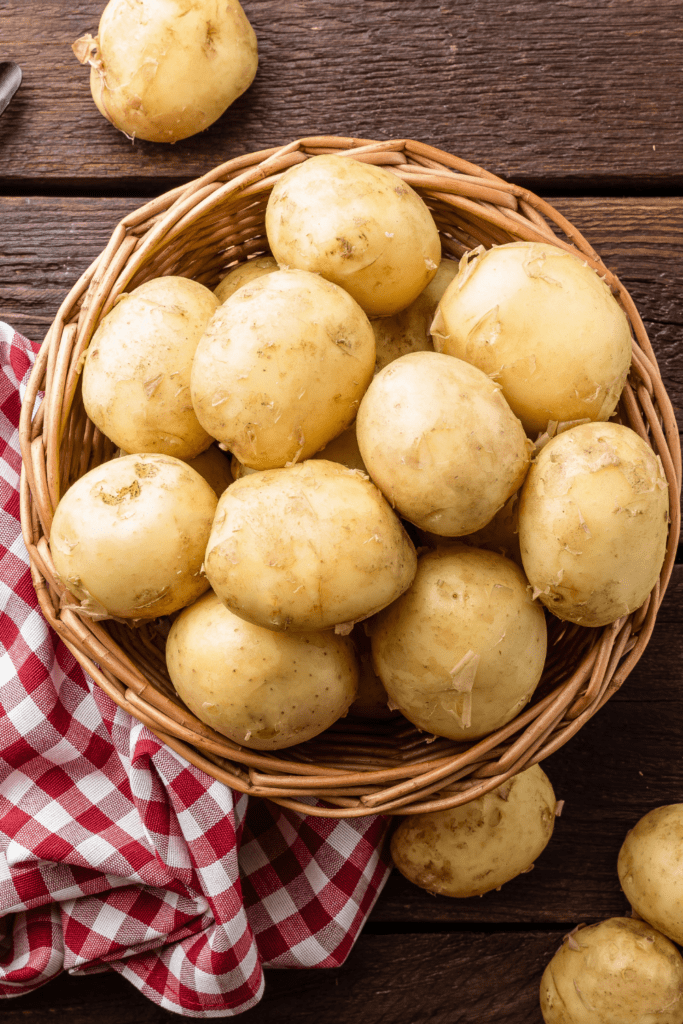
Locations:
243 274
441 442
357 225
128 538
410 330
282 367
462 651
619 970
136 378
308 547
478 846
593 523
544 325
262 689
649 868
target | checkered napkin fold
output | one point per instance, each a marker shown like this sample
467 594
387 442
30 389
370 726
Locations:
116 853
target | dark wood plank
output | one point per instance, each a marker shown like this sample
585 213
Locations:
408 979
48 242
570 93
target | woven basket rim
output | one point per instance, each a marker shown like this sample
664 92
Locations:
468 202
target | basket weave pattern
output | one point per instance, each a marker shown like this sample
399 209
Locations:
357 767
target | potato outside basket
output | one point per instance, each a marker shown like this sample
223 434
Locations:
357 767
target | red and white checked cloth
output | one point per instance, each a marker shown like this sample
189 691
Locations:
116 853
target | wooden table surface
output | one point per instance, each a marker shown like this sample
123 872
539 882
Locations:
582 103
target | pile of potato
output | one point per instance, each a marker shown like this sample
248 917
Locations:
372 398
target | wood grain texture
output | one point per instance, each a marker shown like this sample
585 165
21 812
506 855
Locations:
468 978
47 242
570 93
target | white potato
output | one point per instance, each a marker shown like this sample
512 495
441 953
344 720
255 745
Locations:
478 846
242 274
281 368
128 538
308 547
593 523
462 651
262 689
649 868
544 325
163 70
441 442
357 225
617 970
136 377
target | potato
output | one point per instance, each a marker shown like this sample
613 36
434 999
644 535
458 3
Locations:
618 970
461 652
163 70
441 442
244 273
128 538
409 330
262 689
136 378
544 325
281 368
593 523
478 846
649 868
357 225
308 547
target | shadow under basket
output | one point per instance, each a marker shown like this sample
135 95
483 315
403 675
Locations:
357 767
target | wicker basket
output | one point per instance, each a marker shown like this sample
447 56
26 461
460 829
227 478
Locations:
357 767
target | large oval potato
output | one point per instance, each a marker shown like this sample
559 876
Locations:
262 689
308 547
163 70
128 538
478 846
461 652
649 868
357 225
136 377
544 325
617 970
593 523
441 442
281 368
